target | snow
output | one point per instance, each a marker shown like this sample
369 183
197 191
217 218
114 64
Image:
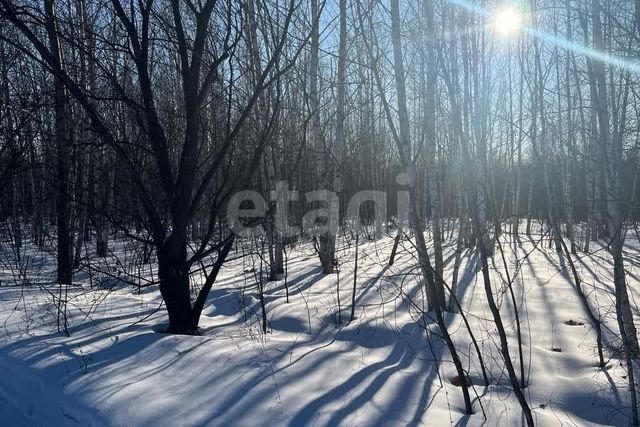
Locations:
384 368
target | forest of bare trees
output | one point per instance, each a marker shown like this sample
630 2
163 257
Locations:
202 133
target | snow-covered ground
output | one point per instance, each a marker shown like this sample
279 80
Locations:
387 367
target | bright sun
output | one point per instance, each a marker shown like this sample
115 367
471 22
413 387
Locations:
507 21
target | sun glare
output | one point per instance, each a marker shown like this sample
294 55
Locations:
507 21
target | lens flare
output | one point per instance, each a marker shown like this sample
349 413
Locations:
507 21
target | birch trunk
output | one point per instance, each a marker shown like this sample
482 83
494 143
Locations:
611 159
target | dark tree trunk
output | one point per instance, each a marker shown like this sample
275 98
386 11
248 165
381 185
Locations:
327 252
173 273
64 275
102 245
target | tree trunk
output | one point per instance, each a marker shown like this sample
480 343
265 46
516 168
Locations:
611 161
431 149
173 273
63 144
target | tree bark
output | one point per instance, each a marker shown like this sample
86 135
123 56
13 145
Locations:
63 148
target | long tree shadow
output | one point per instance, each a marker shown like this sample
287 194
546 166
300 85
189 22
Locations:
299 284
563 269
376 375
410 335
